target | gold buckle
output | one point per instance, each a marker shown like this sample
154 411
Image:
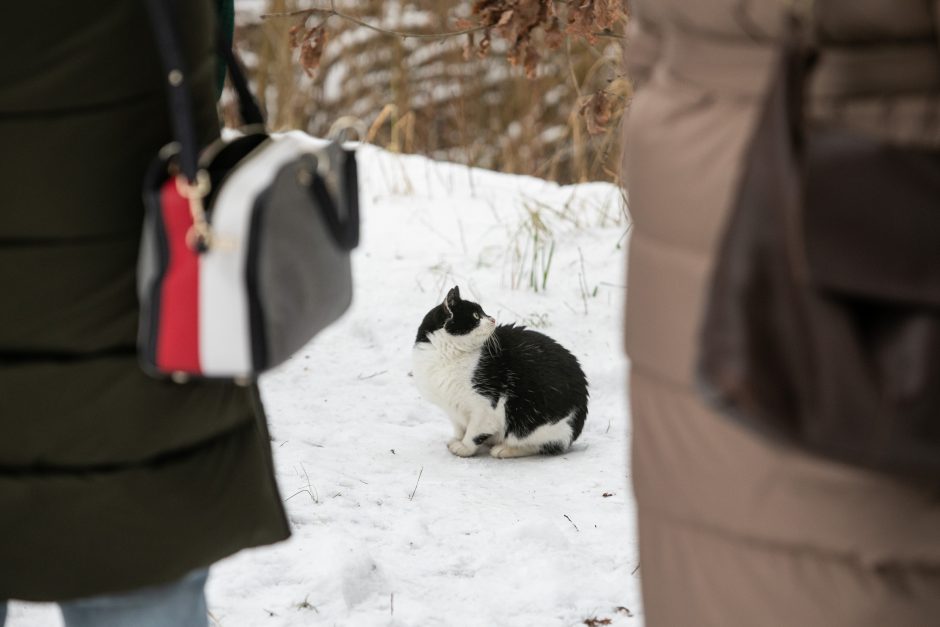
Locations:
199 235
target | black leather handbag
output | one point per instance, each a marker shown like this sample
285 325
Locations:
822 324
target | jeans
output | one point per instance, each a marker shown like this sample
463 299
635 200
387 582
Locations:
178 604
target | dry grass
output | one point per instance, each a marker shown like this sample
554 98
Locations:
422 96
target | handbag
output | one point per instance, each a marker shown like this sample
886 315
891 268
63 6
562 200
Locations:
245 251
822 320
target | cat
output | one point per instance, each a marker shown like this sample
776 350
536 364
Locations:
508 387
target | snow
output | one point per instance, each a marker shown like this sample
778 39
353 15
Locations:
391 529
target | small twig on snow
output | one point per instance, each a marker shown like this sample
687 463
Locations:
420 472
572 523
371 376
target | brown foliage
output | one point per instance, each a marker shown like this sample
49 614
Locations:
451 98
518 22
312 45
587 18
597 110
525 24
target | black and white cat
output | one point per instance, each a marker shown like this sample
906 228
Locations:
509 387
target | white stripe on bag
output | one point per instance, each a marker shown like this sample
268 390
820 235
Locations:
224 331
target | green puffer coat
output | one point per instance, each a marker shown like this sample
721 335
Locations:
109 480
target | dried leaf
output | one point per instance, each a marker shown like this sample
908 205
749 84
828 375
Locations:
531 62
484 47
597 111
554 37
591 16
311 49
294 34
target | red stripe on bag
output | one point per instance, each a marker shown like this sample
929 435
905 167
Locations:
178 333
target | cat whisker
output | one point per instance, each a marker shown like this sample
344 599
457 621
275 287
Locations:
493 346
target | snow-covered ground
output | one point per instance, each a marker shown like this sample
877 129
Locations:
391 529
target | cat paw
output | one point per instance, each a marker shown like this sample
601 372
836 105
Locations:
504 451
460 449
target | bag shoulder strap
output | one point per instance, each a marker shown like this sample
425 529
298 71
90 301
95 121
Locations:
178 93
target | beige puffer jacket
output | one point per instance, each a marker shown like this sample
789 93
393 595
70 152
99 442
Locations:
734 530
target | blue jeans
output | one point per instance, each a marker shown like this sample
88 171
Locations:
178 604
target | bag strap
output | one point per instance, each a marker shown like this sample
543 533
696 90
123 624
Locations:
178 94
800 56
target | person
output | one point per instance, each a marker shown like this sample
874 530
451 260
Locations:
733 529
117 490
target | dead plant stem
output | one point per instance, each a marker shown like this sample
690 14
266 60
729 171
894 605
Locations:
420 472
355 20
606 34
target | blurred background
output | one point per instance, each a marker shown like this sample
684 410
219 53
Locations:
525 86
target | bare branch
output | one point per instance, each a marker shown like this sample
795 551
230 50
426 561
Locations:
605 34
355 20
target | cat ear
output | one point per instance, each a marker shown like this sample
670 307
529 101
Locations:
453 297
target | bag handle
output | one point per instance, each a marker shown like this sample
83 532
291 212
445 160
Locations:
344 228
180 100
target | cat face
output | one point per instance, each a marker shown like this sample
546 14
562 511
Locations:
462 322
